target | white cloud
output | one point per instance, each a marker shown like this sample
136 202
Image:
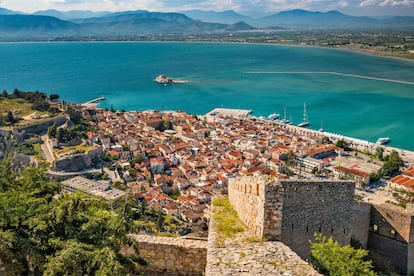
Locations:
386 3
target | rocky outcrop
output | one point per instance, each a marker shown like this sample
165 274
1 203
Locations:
6 143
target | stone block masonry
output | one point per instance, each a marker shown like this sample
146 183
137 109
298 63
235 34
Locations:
391 236
248 198
173 256
291 211
316 207
361 216
240 256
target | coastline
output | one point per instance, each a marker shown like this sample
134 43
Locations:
358 144
365 51
373 53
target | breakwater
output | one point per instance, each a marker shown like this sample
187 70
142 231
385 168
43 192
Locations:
332 73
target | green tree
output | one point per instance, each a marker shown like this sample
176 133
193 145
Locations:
330 258
10 118
379 152
325 140
392 164
52 131
343 144
74 235
53 97
75 115
41 105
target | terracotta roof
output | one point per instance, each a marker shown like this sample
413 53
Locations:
409 172
352 171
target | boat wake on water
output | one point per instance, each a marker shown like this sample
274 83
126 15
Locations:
329 73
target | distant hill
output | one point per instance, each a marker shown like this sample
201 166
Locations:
301 19
4 11
145 23
131 24
68 15
115 25
35 26
224 17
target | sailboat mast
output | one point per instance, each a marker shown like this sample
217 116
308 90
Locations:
305 115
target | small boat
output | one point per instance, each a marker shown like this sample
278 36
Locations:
163 79
273 116
321 129
305 117
383 140
284 120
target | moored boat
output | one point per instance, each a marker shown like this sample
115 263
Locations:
383 140
273 116
305 121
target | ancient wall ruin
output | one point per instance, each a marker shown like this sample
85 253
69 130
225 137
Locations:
172 256
316 207
78 162
291 211
262 218
240 255
391 235
20 132
361 215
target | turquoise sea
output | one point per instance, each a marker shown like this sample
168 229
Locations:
123 72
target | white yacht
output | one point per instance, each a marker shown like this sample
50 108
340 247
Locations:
273 116
383 140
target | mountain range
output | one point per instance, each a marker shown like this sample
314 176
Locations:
53 24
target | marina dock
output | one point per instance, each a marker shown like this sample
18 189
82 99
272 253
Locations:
236 113
93 102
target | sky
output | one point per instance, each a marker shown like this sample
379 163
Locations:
253 8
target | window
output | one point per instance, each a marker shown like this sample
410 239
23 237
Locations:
393 232
375 227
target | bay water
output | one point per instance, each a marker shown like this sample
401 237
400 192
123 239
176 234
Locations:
286 77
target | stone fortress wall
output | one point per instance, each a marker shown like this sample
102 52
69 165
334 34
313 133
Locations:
291 211
261 217
20 132
172 256
361 216
316 207
391 235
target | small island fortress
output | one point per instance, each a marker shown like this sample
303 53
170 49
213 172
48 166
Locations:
163 79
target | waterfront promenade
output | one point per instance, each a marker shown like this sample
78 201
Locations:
235 113
355 143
